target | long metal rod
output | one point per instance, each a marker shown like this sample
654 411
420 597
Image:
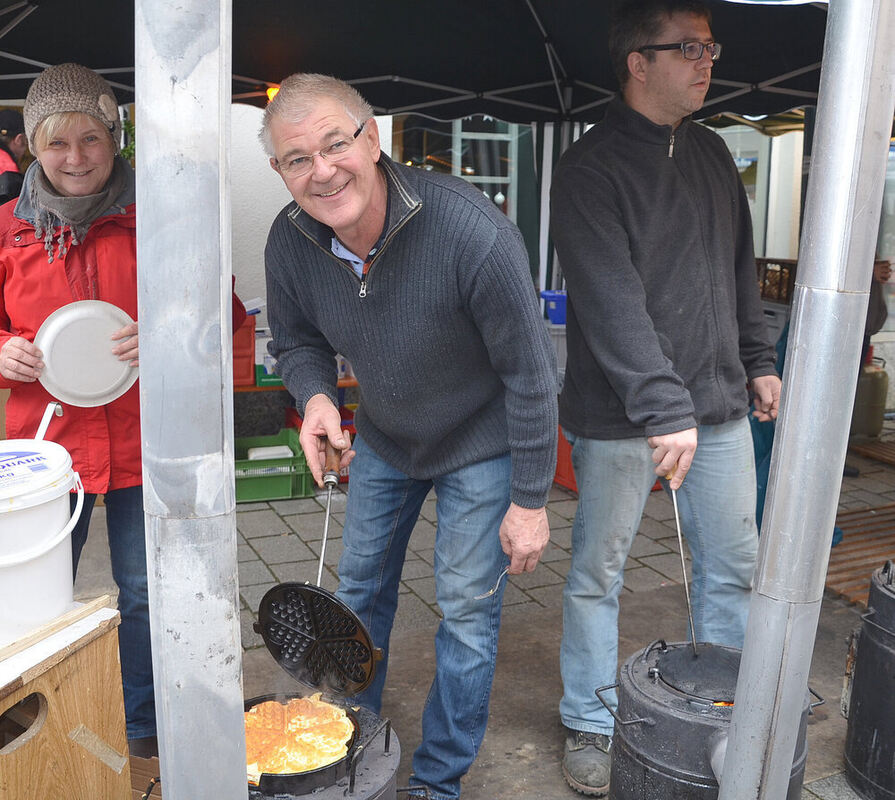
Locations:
182 78
854 120
330 481
329 501
680 547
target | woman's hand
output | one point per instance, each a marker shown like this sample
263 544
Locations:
129 349
20 360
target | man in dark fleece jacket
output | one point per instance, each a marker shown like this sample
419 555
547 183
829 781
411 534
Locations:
665 331
424 287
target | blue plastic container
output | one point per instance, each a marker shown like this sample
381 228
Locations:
556 306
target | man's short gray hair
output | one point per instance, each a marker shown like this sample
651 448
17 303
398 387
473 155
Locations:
299 94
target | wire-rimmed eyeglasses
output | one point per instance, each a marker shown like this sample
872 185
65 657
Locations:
692 51
301 165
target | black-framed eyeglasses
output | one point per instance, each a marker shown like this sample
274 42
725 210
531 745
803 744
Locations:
692 51
302 165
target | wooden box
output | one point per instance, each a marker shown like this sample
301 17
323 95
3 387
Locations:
62 730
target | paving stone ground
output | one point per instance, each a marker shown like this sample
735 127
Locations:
280 541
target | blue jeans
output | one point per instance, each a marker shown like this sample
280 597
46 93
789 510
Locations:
717 511
383 507
127 546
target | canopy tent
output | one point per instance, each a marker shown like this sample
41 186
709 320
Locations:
184 57
518 60
541 61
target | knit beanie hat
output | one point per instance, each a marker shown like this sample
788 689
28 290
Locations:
71 87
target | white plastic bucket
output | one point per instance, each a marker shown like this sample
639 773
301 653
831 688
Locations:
36 522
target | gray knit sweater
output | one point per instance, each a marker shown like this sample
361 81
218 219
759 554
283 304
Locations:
448 344
664 318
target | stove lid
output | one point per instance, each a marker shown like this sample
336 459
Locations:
885 577
316 638
881 600
710 675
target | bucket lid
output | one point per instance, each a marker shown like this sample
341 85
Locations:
316 638
32 471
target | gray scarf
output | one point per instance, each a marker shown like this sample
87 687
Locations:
53 211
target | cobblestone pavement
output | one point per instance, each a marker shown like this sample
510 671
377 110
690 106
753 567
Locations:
280 541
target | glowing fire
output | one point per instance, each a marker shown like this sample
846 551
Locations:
304 734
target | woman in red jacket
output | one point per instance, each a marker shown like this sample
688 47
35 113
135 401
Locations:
70 236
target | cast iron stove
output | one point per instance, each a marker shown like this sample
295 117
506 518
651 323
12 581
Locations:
321 643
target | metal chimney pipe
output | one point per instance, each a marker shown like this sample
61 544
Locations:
183 68
854 122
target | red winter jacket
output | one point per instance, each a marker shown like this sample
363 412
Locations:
104 442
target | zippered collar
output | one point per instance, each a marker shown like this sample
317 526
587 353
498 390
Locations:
634 125
403 203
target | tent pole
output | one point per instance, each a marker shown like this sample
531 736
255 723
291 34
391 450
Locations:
854 119
546 177
183 67
18 18
557 70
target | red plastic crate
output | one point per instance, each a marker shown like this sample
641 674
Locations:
565 475
244 354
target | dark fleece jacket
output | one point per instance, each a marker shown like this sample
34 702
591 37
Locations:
654 238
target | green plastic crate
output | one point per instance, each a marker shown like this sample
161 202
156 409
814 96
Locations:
265 378
272 478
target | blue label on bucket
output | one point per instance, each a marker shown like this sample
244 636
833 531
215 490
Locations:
32 472
15 464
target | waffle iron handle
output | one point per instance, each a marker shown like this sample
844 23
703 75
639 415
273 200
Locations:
645 720
331 464
660 643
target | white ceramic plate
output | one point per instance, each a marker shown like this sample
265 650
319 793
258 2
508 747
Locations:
80 368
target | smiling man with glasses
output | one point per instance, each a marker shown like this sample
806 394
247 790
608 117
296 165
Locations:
424 285
665 331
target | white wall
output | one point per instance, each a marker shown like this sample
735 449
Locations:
746 144
385 134
784 196
257 195
778 181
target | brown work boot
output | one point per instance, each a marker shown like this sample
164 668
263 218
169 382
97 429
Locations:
585 762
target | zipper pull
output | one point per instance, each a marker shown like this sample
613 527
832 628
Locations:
363 275
671 146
